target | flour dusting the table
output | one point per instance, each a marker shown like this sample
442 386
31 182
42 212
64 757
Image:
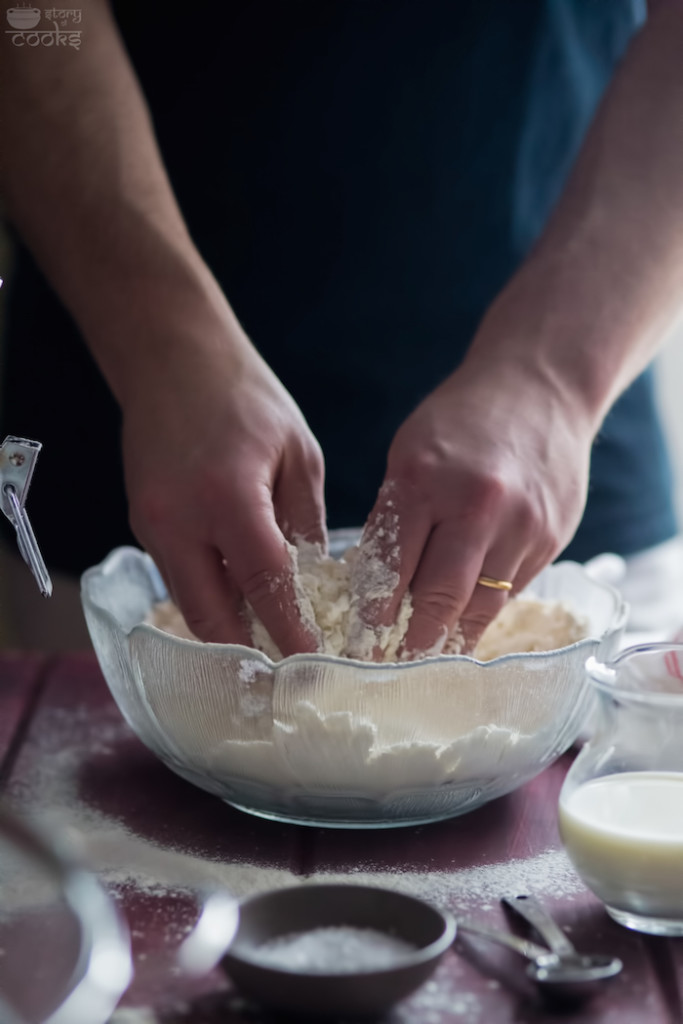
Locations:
51 788
53 783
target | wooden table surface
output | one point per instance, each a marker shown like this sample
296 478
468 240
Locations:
157 842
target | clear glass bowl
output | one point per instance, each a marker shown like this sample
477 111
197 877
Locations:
329 741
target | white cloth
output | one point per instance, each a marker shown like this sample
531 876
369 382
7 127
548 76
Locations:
652 583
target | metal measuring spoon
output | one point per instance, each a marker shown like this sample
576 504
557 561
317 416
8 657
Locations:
232 933
564 968
17 462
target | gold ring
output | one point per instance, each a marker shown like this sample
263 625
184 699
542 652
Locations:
489 581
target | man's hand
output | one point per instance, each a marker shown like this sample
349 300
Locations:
221 468
487 476
220 464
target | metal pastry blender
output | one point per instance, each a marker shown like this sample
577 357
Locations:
17 461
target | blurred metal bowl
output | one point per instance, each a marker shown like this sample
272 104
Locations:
320 740
65 948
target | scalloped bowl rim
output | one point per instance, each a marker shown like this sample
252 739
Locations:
109 565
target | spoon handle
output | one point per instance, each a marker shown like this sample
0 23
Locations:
209 940
522 946
529 908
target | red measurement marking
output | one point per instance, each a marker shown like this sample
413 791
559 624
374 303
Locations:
672 665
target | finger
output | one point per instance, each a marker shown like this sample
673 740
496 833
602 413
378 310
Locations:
388 554
510 560
299 498
207 597
500 565
442 587
262 566
533 564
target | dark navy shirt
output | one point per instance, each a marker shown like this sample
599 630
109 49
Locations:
363 177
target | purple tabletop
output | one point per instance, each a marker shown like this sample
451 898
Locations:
158 843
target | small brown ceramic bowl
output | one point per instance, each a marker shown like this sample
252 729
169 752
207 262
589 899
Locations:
357 993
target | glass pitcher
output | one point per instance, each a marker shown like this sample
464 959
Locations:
621 805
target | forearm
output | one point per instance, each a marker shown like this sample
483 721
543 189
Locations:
604 285
84 183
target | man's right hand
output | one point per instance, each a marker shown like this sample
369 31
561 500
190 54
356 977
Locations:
221 468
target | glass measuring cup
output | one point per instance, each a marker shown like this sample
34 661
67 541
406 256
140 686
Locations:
621 805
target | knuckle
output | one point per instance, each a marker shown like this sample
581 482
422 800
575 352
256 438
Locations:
477 619
436 468
532 523
150 509
262 586
304 455
527 522
544 537
487 491
438 606
310 526
313 459
305 524
207 628
550 550
417 469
